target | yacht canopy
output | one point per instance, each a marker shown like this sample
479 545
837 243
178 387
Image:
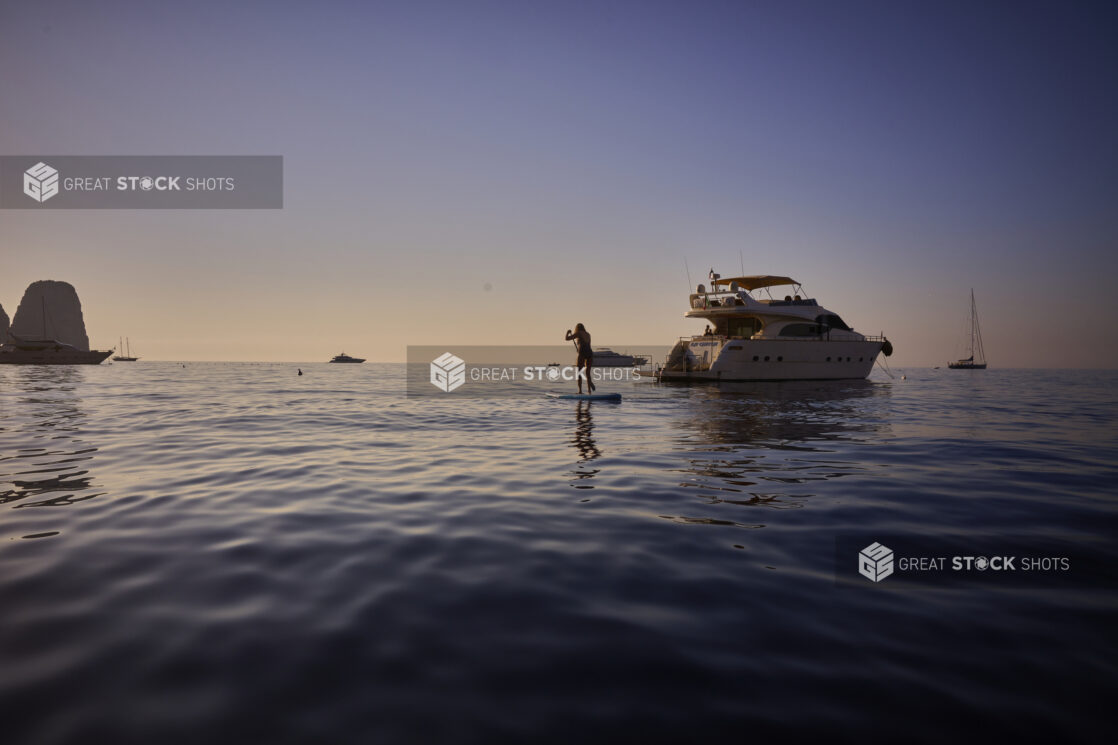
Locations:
756 281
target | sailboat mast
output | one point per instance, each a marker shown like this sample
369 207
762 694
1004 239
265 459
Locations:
972 319
977 330
976 360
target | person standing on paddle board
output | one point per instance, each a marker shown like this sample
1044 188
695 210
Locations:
585 362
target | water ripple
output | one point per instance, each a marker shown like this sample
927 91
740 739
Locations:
234 553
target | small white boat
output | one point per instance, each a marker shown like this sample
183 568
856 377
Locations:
767 338
606 357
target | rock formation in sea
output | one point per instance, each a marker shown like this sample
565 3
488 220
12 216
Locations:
3 325
63 320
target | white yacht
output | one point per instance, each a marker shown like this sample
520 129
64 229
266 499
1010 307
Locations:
44 351
768 338
606 357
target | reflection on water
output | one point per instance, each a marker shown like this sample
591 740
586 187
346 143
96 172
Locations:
768 444
795 415
44 461
583 440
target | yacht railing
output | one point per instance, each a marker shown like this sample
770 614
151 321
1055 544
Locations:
705 300
780 338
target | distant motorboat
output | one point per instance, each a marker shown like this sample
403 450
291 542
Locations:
605 357
343 357
23 351
127 357
20 350
971 362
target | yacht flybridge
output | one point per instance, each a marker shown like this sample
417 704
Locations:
768 338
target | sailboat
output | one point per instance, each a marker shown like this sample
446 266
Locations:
977 359
127 357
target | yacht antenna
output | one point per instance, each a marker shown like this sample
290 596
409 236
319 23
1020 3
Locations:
742 258
689 285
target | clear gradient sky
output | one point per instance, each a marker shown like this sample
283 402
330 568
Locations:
493 172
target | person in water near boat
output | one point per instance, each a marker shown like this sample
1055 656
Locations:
585 362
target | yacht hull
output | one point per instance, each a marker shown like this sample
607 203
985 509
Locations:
773 359
609 358
52 357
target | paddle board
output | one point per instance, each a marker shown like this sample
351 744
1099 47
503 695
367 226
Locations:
587 396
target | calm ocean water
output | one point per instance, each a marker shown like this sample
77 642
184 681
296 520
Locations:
231 553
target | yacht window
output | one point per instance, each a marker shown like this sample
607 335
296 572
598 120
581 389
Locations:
743 326
800 329
833 321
